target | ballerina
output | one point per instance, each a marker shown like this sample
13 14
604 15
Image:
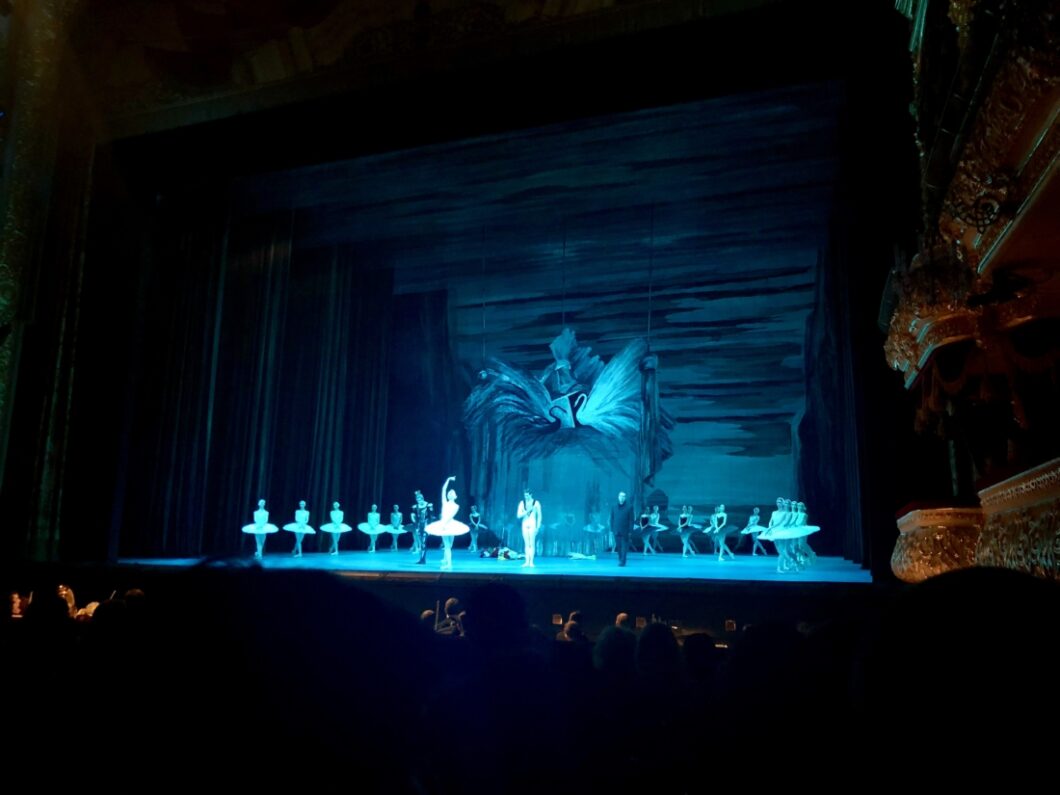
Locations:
529 513
300 527
659 527
336 527
476 527
801 550
561 537
593 531
686 528
717 529
647 531
778 522
260 528
372 528
396 528
447 528
754 530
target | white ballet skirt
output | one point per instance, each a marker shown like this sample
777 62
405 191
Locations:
336 525
752 527
300 524
261 525
395 530
782 532
371 529
447 525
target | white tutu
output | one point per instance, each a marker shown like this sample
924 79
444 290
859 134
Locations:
782 533
294 527
331 527
395 531
260 529
450 528
371 529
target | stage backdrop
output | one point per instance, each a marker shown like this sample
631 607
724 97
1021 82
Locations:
695 228
318 337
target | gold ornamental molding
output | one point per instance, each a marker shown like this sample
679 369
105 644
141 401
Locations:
1012 147
919 329
935 540
911 342
1023 490
1022 529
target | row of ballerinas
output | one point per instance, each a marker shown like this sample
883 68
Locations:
787 529
716 527
789 532
447 527
261 528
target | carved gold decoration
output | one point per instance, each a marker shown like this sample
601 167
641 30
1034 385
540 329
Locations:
1022 529
934 541
932 310
991 180
1011 148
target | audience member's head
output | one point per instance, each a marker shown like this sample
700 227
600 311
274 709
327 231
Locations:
614 652
453 608
658 655
573 631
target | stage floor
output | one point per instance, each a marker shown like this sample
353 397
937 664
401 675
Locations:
672 568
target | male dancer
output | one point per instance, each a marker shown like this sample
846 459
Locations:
529 513
622 526
419 516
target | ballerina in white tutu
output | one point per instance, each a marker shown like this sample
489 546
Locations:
372 528
788 531
300 527
754 529
396 527
260 529
335 527
447 528
801 550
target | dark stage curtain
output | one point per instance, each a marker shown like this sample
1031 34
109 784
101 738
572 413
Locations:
426 441
262 372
